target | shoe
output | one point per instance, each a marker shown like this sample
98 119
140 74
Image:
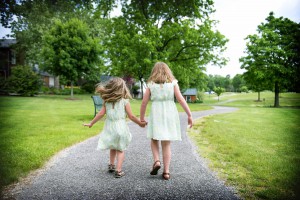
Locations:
166 176
155 168
119 174
111 168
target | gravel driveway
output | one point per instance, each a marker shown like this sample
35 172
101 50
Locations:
80 172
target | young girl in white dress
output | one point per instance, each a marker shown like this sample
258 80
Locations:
163 123
115 135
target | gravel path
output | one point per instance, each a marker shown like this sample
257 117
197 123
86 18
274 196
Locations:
80 172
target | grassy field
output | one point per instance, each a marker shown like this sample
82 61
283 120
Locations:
255 149
33 129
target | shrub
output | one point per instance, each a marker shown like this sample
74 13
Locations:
23 81
244 89
89 86
200 96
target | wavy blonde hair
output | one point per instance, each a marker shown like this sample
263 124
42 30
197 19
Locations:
114 90
161 73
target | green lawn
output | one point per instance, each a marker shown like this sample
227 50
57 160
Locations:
35 128
255 149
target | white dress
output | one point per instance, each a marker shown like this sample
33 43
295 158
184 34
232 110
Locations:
163 121
115 134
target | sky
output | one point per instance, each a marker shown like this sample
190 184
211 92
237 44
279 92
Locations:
238 19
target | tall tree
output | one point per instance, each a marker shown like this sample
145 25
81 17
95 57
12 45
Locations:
273 54
237 82
29 19
179 33
70 51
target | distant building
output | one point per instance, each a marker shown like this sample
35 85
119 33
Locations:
9 58
190 94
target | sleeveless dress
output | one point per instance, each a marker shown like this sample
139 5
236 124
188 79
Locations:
163 121
115 134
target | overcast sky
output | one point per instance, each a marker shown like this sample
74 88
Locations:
239 18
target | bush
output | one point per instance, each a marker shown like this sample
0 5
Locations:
23 81
244 89
89 86
3 86
50 90
67 91
198 101
200 96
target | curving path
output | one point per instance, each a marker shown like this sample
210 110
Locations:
80 172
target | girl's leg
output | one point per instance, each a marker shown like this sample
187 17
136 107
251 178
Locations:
155 151
112 156
166 151
120 159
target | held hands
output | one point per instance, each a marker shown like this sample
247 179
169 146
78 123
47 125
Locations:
143 123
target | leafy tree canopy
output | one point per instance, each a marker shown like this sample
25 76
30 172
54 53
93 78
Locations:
178 33
273 55
70 51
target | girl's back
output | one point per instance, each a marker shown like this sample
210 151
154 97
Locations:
116 111
163 120
162 92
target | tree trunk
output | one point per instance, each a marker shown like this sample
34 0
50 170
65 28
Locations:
71 89
276 102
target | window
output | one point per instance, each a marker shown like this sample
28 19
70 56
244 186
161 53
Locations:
13 57
51 81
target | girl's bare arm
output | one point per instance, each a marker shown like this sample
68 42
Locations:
184 105
144 104
99 115
132 117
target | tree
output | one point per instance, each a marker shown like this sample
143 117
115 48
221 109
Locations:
237 82
179 33
29 20
219 91
273 54
228 83
70 51
255 79
210 83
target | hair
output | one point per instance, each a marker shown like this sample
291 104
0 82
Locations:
161 73
114 90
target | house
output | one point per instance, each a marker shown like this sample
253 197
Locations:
190 94
49 80
9 58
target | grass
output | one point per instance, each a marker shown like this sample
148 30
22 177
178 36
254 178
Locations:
250 99
33 129
255 149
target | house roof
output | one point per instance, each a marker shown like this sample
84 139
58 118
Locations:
190 91
5 43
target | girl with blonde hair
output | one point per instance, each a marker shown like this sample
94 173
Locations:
115 135
163 121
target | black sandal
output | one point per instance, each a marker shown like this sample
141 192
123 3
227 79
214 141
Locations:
155 168
111 168
119 174
166 176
